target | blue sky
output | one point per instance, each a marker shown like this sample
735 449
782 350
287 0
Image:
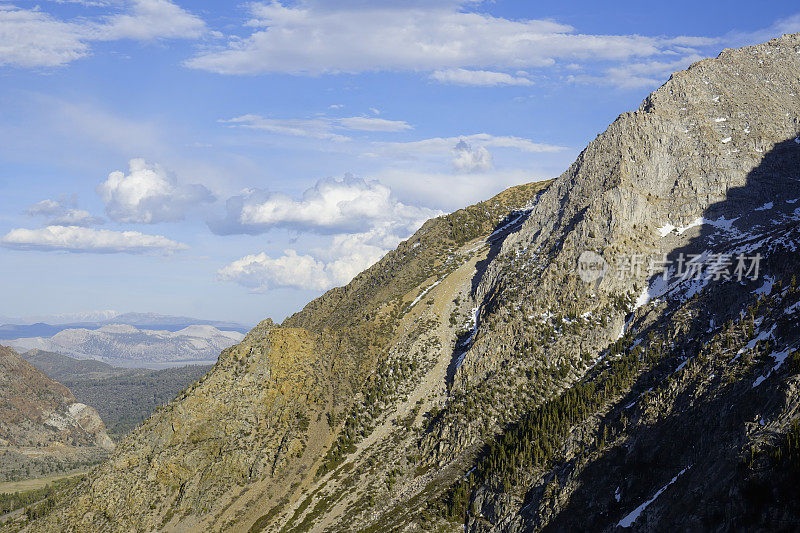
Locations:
232 161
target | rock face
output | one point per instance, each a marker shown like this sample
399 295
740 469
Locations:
43 429
473 378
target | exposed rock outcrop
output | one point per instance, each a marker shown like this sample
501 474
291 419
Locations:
43 429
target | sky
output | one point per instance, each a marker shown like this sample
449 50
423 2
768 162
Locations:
232 161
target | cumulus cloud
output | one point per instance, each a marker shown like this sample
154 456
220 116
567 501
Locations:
32 38
469 159
317 128
347 256
260 272
88 240
363 217
148 194
332 206
480 78
63 213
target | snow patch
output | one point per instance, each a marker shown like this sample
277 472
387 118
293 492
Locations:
780 358
762 336
423 293
765 207
766 288
631 518
643 299
696 222
666 229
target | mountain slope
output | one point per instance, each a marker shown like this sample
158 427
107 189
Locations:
43 429
472 379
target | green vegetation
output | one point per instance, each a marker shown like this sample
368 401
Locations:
37 502
786 454
382 387
534 442
125 401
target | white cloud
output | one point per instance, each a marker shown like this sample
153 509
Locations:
351 254
448 39
349 38
469 159
438 146
636 75
152 19
331 206
450 191
317 128
45 208
60 214
347 256
372 124
363 217
261 272
148 194
78 239
789 24
32 38
480 78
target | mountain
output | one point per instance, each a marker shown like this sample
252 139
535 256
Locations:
43 428
126 345
124 397
48 326
62 368
617 347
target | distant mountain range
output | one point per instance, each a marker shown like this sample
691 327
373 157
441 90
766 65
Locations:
47 326
129 346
